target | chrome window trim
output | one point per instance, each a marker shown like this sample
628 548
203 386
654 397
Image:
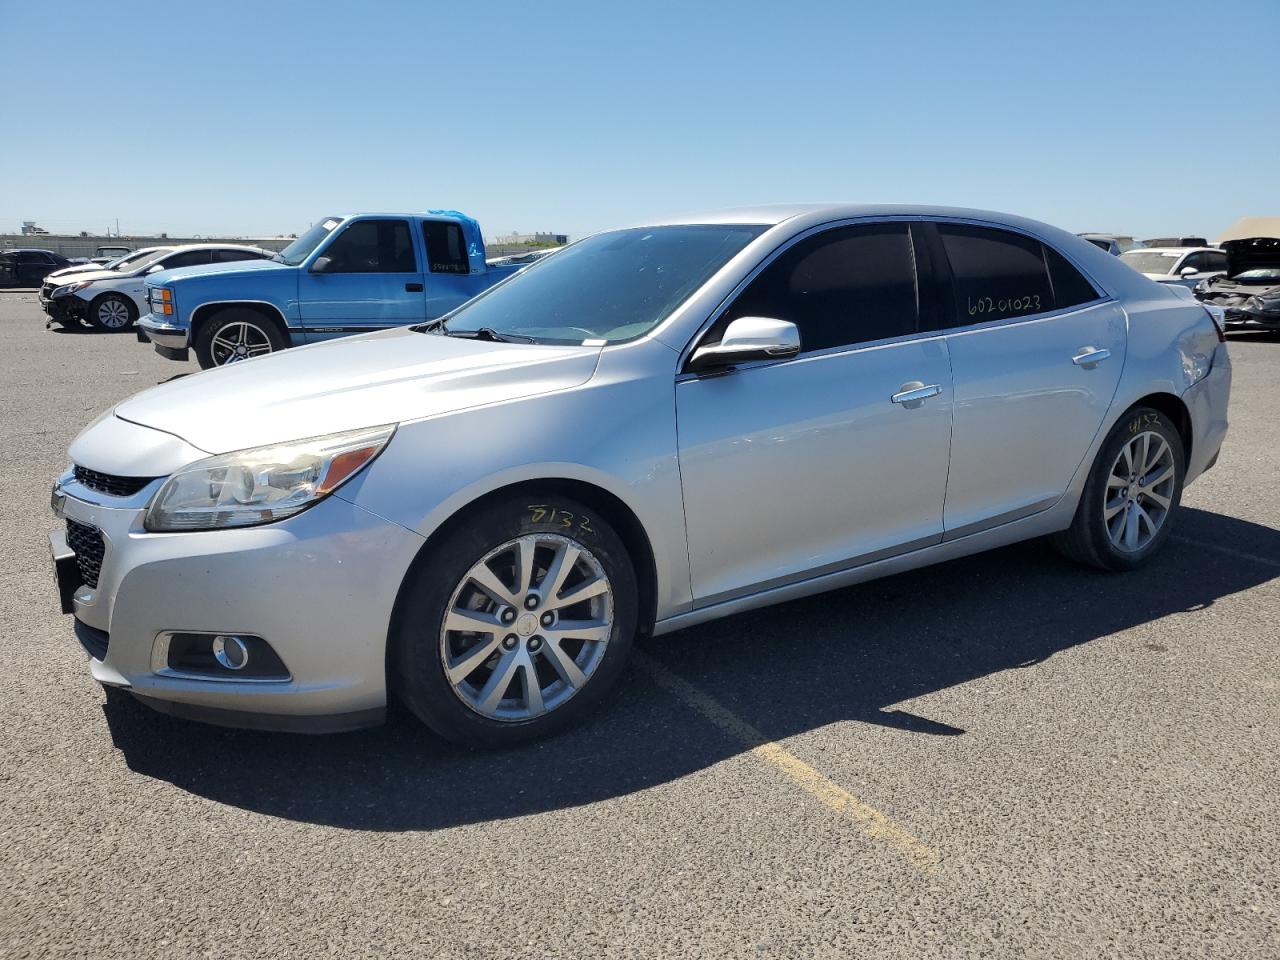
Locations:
695 341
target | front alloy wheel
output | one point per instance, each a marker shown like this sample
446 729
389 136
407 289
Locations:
1139 491
239 341
527 627
515 621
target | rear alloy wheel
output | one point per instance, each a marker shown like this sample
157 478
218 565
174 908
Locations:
236 335
1132 493
519 621
112 312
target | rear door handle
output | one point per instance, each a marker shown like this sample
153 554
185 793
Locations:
413 288
1090 357
914 393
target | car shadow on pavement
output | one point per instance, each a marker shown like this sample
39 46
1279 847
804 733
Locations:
849 655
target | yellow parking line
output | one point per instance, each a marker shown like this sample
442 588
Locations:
866 818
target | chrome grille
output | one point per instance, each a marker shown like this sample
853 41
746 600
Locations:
109 483
87 543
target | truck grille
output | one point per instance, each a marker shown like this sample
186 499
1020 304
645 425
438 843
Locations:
87 543
109 483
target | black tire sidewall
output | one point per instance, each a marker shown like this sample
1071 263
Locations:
97 302
1135 421
415 669
209 330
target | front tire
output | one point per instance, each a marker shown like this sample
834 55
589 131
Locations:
238 334
112 312
1133 491
516 624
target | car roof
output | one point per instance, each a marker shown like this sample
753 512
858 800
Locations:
30 250
1178 250
213 246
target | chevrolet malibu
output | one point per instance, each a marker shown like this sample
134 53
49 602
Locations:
656 427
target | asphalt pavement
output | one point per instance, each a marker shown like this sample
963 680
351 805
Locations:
1001 756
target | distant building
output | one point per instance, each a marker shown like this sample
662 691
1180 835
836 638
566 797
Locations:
512 243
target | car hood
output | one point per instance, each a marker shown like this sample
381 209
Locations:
363 381
235 268
79 276
77 270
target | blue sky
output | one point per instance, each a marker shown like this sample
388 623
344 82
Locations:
257 118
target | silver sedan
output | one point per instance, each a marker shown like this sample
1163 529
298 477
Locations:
654 427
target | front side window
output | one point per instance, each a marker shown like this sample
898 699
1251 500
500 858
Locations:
1215 261
188 258
230 256
372 246
844 286
446 248
611 287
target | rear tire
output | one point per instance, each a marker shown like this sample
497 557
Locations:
238 334
474 687
112 312
1129 501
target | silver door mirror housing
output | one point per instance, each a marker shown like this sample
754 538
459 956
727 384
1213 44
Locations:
321 264
749 338
1187 271
156 268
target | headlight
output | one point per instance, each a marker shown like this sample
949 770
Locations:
161 300
71 288
264 484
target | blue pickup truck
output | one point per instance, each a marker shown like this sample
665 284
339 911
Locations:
345 275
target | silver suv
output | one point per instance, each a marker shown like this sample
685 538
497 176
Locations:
653 428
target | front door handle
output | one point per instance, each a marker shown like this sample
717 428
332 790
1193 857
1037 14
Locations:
914 393
413 288
1090 357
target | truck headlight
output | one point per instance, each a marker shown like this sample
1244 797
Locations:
263 484
70 288
161 300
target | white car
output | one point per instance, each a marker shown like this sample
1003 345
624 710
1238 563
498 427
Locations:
112 298
120 264
1182 266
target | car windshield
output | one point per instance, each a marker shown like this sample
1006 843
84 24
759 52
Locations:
1150 261
1259 275
611 287
131 261
145 261
301 248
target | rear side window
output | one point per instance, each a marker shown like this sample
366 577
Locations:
995 274
1070 287
845 286
446 248
190 258
372 246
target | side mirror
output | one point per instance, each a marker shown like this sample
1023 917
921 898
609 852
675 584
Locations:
156 268
321 264
1188 271
746 339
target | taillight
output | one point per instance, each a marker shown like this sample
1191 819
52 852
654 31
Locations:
1222 333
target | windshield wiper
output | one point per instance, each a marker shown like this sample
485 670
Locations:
490 334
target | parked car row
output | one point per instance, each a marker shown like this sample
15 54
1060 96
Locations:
1248 290
112 297
347 274
652 428
27 267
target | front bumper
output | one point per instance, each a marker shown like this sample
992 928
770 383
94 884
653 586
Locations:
170 340
66 308
318 587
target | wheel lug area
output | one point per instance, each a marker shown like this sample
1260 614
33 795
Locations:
509 641
548 618
508 615
531 602
535 643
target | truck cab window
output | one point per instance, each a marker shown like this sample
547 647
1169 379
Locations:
446 248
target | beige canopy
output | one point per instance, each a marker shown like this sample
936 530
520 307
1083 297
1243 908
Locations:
1247 227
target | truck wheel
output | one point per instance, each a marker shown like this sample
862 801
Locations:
112 312
237 334
518 622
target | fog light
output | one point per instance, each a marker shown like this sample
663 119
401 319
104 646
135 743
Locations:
230 651
218 656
